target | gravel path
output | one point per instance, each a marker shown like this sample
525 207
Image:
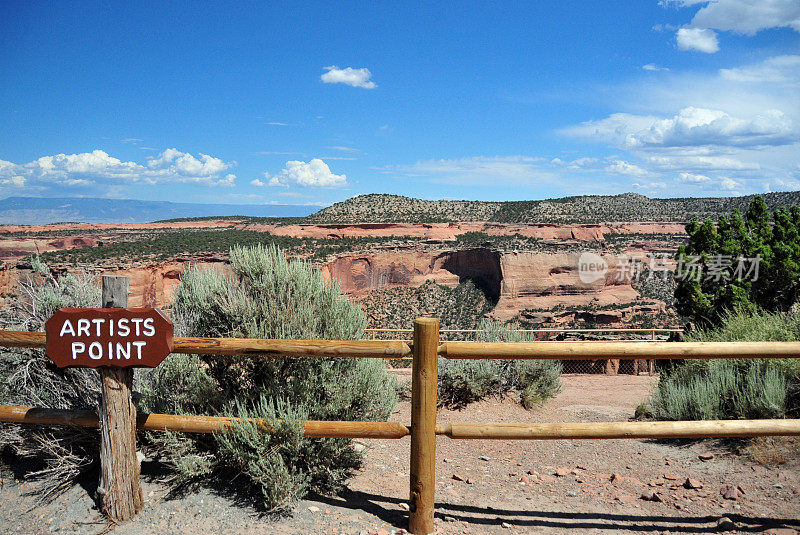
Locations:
488 486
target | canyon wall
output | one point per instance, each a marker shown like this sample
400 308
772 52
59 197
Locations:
515 281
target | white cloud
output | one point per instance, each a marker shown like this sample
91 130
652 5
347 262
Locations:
16 181
673 162
584 162
774 69
229 181
87 168
348 76
73 182
185 165
578 163
708 183
621 167
651 186
258 183
692 127
700 39
315 173
653 67
746 16
693 178
739 126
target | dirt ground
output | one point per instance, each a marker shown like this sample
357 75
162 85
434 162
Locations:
491 486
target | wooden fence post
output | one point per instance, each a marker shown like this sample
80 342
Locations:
424 381
119 490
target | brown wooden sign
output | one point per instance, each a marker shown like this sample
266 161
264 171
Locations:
119 337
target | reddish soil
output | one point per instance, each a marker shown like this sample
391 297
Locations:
496 493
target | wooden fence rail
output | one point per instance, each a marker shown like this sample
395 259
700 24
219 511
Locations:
423 430
395 430
198 424
248 346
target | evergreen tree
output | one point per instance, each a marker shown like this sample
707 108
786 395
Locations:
741 263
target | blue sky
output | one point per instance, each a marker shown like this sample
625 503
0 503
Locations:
314 103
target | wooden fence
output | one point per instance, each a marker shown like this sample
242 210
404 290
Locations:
426 350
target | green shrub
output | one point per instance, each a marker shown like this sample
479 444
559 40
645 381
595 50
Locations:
463 381
731 389
268 296
29 377
279 463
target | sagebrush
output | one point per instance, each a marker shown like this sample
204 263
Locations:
59 455
266 295
732 389
462 381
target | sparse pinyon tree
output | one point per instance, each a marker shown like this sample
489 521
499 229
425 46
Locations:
763 247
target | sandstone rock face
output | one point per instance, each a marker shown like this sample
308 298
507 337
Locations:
362 273
449 231
515 281
13 248
150 285
154 285
586 232
545 280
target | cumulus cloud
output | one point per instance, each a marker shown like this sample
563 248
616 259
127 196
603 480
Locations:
578 163
621 167
186 167
700 39
693 178
258 183
87 168
16 181
692 127
348 76
650 186
745 16
314 173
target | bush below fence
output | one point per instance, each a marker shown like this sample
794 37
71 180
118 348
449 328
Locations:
423 430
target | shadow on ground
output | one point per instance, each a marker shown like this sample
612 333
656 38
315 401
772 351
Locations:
378 506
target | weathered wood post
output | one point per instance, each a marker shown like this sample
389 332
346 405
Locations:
424 379
119 491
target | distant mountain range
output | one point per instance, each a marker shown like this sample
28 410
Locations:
378 208
40 211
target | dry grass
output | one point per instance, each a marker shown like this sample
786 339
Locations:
774 451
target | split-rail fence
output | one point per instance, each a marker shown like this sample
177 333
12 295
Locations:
426 350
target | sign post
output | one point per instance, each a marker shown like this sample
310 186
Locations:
114 339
